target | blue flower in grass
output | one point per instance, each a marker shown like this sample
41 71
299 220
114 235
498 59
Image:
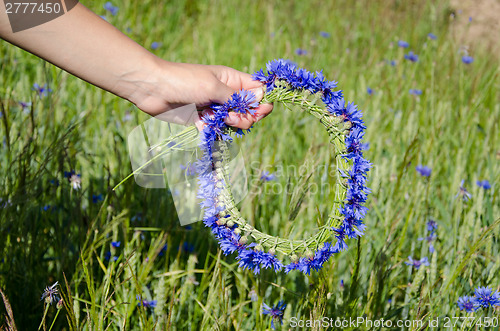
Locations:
110 8
266 176
424 171
403 44
42 91
484 184
485 298
300 51
324 34
415 92
432 36
146 303
417 263
462 191
466 303
467 59
411 56
97 198
275 312
116 244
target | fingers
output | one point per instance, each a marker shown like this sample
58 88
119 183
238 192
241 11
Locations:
245 121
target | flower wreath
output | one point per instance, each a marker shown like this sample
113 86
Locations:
290 85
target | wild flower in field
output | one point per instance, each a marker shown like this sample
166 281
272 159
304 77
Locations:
403 44
411 56
393 63
432 36
155 45
97 198
266 176
300 51
417 263
146 303
275 312
430 238
415 92
51 294
163 250
324 34
431 226
42 91
110 8
253 295
467 59
25 106
484 184
462 191
75 181
484 297
369 91
116 244
187 247
466 303
424 171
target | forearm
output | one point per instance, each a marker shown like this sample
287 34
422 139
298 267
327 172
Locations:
87 46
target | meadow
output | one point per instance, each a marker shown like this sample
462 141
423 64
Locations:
122 260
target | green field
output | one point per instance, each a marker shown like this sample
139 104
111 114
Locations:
51 232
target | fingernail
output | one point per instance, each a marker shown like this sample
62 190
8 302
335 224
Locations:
230 121
259 92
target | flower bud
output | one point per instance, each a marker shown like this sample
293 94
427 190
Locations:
294 258
59 304
272 251
309 254
237 231
243 240
259 248
230 224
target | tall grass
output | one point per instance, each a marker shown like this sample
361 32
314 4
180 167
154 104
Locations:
50 231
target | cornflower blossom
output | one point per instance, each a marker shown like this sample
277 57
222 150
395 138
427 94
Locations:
113 10
275 312
466 303
462 191
415 92
324 34
484 297
424 171
300 51
51 294
432 36
97 198
25 106
116 244
417 263
155 45
42 91
411 56
146 303
467 59
403 44
484 184
266 176
369 90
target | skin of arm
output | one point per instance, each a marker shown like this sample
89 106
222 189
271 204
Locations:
85 45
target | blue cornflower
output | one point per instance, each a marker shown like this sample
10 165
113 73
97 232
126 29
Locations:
424 171
485 297
466 303
116 244
462 191
403 44
187 247
467 59
411 56
369 91
431 226
155 45
42 91
97 198
417 263
275 312
300 51
163 250
25 106
432 36
266 176
430 238
484 184
51 294
146 303
112 9
393 63
324 34
415 92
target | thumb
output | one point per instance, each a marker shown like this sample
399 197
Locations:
222 93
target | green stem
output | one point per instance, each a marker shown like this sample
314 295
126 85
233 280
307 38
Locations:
44 315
